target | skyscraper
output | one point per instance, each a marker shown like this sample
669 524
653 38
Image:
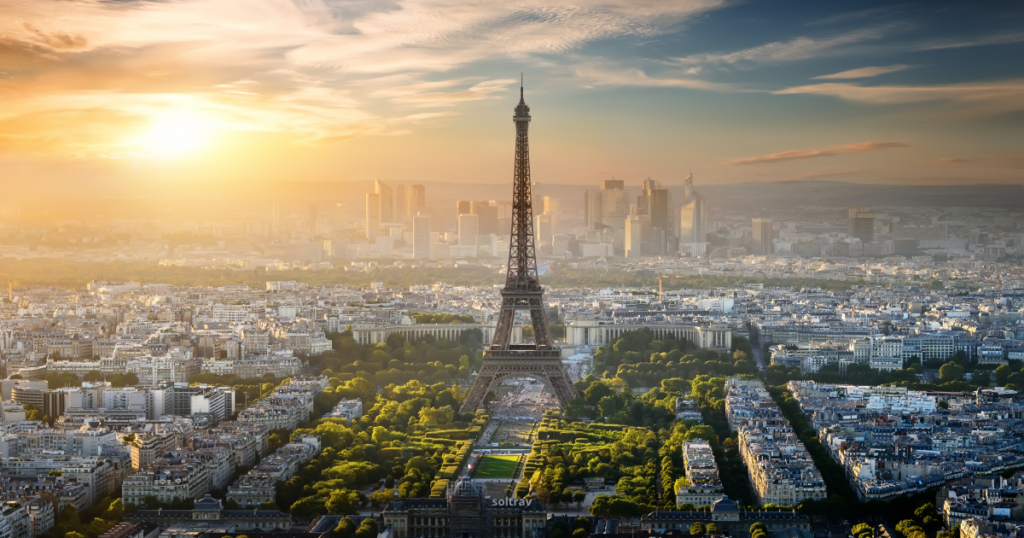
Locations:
861 224
463 207
372 216
637 230
409 200
421 237
417 198
693 220
608 206
312 218
654 202
488 216
387 201
762 235
469 228
593 209
544 229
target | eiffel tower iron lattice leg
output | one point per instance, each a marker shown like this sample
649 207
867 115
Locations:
539 360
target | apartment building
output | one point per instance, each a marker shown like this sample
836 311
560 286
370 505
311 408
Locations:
703 486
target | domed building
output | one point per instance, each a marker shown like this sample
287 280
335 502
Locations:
465 512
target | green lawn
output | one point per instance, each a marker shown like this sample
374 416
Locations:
496 467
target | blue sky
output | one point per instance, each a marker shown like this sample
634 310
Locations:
927 92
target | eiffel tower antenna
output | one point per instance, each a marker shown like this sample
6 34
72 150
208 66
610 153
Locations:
539 360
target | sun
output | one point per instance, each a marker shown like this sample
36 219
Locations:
177 133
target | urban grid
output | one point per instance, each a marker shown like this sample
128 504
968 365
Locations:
266 272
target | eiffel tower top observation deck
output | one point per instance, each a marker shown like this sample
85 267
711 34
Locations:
540 359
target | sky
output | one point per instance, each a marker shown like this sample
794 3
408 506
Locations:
161 91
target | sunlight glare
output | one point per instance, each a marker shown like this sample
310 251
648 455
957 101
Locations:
177 133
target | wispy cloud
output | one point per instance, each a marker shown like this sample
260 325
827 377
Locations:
600 76
800 48
793 155
830 172
313 71
865 72
1014 163
984 97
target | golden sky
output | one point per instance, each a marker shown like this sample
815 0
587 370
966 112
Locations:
411 90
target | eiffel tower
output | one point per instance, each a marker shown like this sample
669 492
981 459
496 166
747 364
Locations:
539 360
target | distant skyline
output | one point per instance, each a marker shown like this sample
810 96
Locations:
108 92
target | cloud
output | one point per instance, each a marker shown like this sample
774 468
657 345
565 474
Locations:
793 155
601 76
830 172
314 71
419 95
865 72
1011 163
960 43
801 48
982 97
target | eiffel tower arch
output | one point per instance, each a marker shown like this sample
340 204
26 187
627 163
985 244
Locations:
539 360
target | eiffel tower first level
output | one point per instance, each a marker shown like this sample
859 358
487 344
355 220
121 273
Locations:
502 359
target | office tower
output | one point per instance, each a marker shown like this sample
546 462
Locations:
637 229
402 213
372 216
654 202
469 228
608 206
616 208
387 201
552 204
593 209
861 224
693 220
417 198
538 196
553 208
421 237
276 215
539 360
762 235
488 216
312 218
463 207
544 229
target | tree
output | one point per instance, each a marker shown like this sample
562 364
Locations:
580 533
607 405
579 496
346 528
1003 374
697 529
862 530
711 528
342 501
93 375
382 497
367 529
596 392
758 527
951 372
115 512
